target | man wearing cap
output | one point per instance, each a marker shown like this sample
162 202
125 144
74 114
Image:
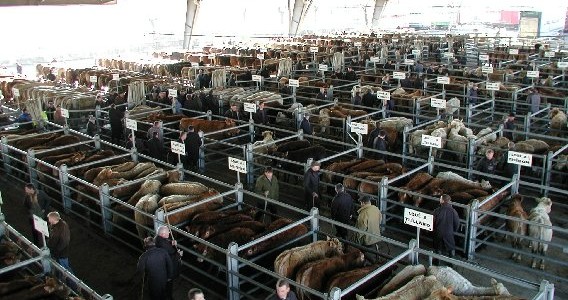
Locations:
509 126
368 220
233 112
533 99
305 125
192 144
341 209
267 185
311 185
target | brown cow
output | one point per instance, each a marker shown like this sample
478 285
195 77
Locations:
517 227
278 239
209 125
345 279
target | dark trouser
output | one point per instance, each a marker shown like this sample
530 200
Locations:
310 201
265 206
371 253
341 232
170 290
440 248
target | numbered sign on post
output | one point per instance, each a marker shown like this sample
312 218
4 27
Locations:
172 92
211 56
250 107
487 70
513 51
562 64
65 113
418 219
322 67
409 62
294 82
256 78
483 57
238 165
438 103
431 141
16 92
359 128
41 225
358 44
383 95
395 40
448 54
260 56
416 52
532 74
115 76
492 86
443 80
263 50
314 49
519 158
194 64
375 59
549 54
398 75
131 124
93 79
177 148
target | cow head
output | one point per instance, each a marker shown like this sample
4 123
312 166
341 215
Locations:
230 123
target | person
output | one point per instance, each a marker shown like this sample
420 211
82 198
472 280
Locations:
380 143
195 294
356 99
311 185
49 111
322 95
233 112
509 126
92 126
472 94
51 76
192 144
305 125
283 291
446 223
176 105
487 164
267 185
59 238
163 241
155 128
388 105
232 80
368 99
37 203
26 118
116 128
350 74
509 169
193 104
130 142
58 116
419 68
155 147
260 117
385 81
371 138
533 99
341 209
19 68
368 219
156 267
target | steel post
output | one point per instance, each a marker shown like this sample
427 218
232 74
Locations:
232 272
472 234
65 191
239 193
5 158
159 219
383 200
515 187
547 171
335 294
314 223
430 162
308 164
32 164
470 156
251 130
201 160
97 139
180 169
105 208
405 142
209 114
413 256
249 155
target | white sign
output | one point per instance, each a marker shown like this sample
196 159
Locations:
322 67
347 40
41 225
513 51
398 75
238 165
409 62
492 86
131 124
314 49
438 103
16 92
172 92
177 148
518 158
64 112
483 57
359 128
532 74
448 54
549 54
487 70
443 80
562 64
256 78
115 76
358 44
250 107
263 50
93 78
415 52
395 40
194 64
431 141
211 56
375 59
294 82
260 56
383 95
418 219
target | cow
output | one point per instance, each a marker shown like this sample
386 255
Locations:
345 279
463 287
289 261
315 274
543 235
292 146
418 181
212 230
278 239
237 235
419 288
210 126
446 294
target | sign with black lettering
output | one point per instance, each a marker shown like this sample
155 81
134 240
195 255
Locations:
238 165
322 67
314 49
487 70
358 44
250 107
448 54
260 56
398 75
256 78
375 59
131 124
178 148
483 57
115 76
172 92
409 62
64 112
93 79
443 80
383 95
492 86
294 82
532 74
16 92
359 128
438 103
513 51
549 54
562 64
41 225
431 141
418 219
416 52
519 158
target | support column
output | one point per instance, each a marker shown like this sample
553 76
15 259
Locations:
190 17
299 11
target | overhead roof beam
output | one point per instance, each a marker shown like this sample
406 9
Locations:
299 11
190 17
379 7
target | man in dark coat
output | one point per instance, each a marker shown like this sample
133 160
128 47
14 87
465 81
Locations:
322 95
509 126
368 99
192 145
194 104
92 128
157 268
155 147
115 118
487 164
261 117
234 112
341 209
380 143
283 291
267 185
59 238
350 74
311 185
50 111
371 138
446 223
306 126
163 241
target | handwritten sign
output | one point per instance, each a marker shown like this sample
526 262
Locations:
431 141
483 57
115 76
41 225
294 82
398 75
375 59
322 67
487 70
194 64
383 95
418 219
513 51
532 74
16 92
238 165
358 44
448 54
409 62
443 80
64 112
256 78
519 158
492 86
172 92
260 56
93 79
314 49
438 103
416 52
549 54
395 40
250 107
177 148
263 50
131 124
562 64
211 56
359 128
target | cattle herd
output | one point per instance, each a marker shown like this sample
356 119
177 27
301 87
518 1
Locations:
134 192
